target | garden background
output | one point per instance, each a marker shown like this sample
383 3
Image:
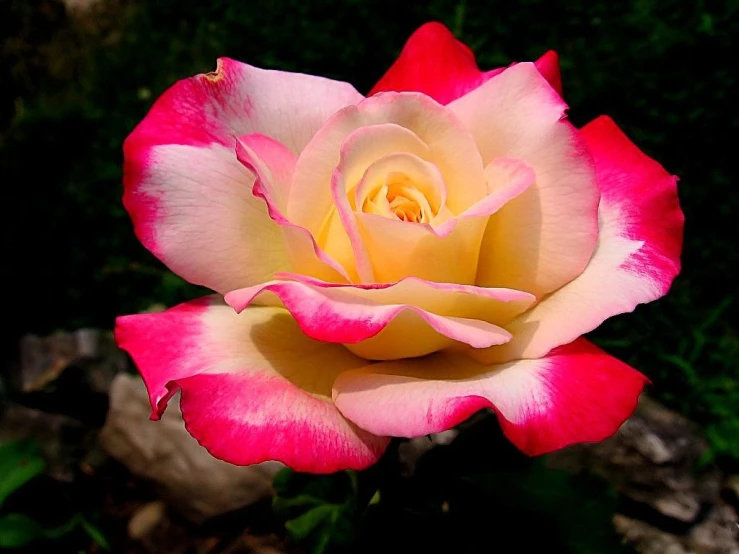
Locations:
74 82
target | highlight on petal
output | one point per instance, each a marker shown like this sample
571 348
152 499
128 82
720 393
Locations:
274 165
192 207
577 393
254 387
545 237
437 64
376 321
190 200
637 257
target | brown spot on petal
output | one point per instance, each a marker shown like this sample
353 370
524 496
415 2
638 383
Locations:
217 75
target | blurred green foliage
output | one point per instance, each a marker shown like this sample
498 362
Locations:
479 494
74 88
20 462
320 511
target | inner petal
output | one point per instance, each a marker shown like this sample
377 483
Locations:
402 186
412 123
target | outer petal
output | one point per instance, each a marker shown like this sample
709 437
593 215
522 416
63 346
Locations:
435 63
377 321
545 237
180 172
254 388
637 257
575 394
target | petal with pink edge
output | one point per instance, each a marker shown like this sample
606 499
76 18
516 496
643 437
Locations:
180 172
254 387
437 64
376 321
577 393
544 238
637 257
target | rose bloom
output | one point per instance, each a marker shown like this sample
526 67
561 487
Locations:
387 266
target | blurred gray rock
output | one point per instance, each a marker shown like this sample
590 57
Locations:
190 479
731 488
717 534
145 519
43 359
646 539
652 461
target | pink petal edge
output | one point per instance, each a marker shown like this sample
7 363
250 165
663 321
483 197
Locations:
435 63
575 394
333 315
236 400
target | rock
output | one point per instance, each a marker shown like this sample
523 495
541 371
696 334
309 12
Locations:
43 359
192 481
146 519
63 440
646 539
718 534
731 488
652 462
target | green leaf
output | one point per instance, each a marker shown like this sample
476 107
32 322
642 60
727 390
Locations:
319 510
95 534
302 526
17 530
20 461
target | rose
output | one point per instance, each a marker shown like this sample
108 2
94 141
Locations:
391 265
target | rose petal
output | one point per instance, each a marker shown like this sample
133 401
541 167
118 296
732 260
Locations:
399 249
424 176
548 66
189 199
545 237
637 257
237 99
377 321
254 387
447 250
576 394
435 63
358 152
273 165
192 207
506 179
452 149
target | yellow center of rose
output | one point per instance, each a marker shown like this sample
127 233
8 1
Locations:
399 197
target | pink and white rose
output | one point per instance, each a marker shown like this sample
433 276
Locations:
386 266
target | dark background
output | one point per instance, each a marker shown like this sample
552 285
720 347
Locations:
72 88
